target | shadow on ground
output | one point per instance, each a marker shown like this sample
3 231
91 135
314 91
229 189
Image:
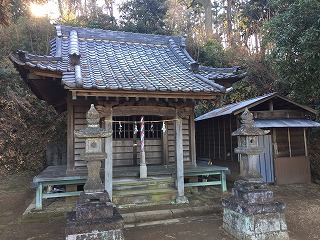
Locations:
302 214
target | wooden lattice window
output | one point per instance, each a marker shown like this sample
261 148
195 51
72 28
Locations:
124 127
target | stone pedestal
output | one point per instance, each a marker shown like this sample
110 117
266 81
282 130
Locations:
252 213
95 218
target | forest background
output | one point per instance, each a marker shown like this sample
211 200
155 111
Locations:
276 41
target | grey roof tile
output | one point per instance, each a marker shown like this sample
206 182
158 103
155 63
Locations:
126 61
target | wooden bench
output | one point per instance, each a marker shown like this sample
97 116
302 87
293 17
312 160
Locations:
221 172
56 176
40 185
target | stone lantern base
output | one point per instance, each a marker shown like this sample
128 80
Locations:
252 214
95 218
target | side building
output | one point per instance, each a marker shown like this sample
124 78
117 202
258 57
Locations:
285 158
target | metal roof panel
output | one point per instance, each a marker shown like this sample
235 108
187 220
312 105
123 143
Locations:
285 122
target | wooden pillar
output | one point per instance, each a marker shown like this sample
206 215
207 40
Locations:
179 161
305 142
108 149
70 136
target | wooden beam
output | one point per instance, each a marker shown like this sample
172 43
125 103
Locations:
154 94
143 110
48 74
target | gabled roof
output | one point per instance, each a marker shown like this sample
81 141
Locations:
239 107
110 60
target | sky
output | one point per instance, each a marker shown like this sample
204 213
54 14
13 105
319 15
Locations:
51 9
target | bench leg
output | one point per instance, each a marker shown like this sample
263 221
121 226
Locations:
39 196
223 181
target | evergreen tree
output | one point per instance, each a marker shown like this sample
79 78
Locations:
143 16
293 35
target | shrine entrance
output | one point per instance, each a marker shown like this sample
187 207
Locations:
127 140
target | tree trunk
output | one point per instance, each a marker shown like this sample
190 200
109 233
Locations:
208 18
229 23
109 4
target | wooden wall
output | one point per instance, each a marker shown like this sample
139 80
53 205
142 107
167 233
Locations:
289 142
186 141
158 151
290 170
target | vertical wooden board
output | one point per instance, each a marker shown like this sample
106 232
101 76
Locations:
265 161
192 139
171 142
234 138
186 140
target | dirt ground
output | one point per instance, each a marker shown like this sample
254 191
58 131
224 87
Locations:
302 215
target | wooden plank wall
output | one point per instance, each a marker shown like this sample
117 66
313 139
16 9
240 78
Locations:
290 142
186 141
290 170
79 123
122 152
123 148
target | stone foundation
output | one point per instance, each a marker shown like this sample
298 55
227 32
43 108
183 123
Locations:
252 214
267 226
95 218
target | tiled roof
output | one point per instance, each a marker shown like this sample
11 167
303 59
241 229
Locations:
111 60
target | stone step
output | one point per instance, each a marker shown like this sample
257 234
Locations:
144 197
164 214
143 184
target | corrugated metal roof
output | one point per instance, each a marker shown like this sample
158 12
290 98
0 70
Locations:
285 122
231 108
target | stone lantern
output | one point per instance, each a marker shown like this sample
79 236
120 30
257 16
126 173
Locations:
95 216
94 154
248 147
251 212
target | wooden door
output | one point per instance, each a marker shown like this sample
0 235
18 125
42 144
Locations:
127 143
